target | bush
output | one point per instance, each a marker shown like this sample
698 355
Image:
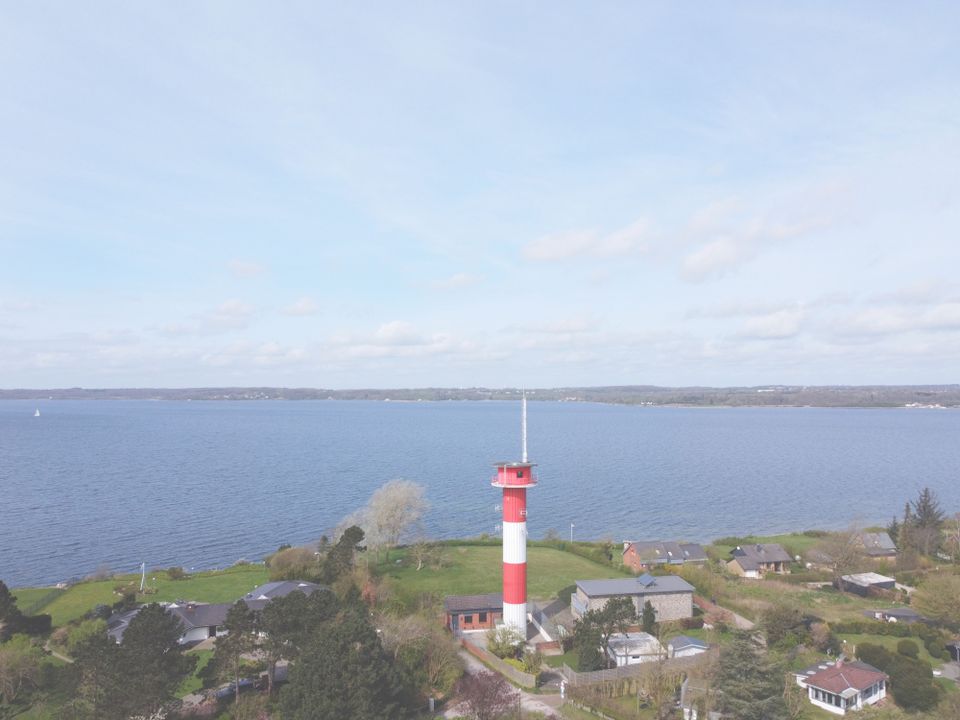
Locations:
908 648
176 573
875 655
936 649
505 642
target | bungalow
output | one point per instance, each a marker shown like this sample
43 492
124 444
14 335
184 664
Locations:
843 686
646 554
670 596
473 612
754 561
258 598
199 621
864 583
877 545
685 646
632 648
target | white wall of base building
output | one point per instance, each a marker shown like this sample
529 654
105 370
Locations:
515 615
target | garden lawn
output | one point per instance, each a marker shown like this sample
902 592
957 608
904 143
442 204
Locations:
27 598
212 586
889 642
194 683
475 569
793 543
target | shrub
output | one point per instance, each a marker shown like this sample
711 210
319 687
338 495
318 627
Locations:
875 655
908 648
935 648
505 641
176 573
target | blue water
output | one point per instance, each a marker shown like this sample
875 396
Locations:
203 484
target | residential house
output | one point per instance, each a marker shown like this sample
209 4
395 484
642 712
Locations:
632 648
685 646
258 598
877 545
755 561
954 649
199 621
865 583
840 687
670 596
647 554
118 622
473 612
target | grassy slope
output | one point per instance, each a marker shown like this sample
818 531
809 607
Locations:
794 543
28 596
221 586
478 569
193 683
890 643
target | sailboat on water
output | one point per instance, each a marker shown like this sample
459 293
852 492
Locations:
36 413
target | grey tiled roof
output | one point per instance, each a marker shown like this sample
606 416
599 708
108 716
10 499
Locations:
664 584
473 603
257 598
193 615
877 543
752 557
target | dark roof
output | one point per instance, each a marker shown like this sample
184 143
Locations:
752 557
693 552
118 622
841 677
473 603
642 585
660 551
877 543
195 615
257 598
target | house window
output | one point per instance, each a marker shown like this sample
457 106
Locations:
519 473
468 619
482 617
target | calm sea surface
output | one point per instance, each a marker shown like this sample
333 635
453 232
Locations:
114 483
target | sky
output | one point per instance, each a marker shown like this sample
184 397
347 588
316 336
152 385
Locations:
378 194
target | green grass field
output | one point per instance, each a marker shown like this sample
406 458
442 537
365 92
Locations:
28 597
889 642
214 586
478 569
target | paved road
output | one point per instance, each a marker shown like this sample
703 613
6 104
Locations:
46 646
546 704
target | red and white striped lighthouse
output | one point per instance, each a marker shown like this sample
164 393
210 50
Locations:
515 478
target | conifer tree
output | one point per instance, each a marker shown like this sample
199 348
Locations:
749 686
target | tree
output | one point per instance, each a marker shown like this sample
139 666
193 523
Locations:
648 617
486 696
83 632
928 516
299 563
240 639
593 630
343 672
782 624
20 662
394 509
339 559
750 687
505 641
282 621
10 616
98 660
151 661
937 597
842 552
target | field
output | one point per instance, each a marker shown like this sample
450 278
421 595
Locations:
475 569
220 586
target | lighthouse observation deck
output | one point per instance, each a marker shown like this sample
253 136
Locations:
514 475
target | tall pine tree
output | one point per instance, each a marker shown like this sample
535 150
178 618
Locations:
750 687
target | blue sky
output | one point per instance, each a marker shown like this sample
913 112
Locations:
460 194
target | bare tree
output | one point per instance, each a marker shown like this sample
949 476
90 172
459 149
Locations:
393 510
486 696
842 552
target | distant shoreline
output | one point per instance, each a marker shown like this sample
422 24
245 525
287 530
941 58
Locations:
765 396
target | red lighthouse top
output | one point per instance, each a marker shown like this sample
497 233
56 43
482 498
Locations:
514 474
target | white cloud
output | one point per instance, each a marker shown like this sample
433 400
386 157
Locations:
773 326
245 268
229 315
302 307
589 243
456 281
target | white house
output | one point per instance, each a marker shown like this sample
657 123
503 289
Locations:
840 687
633 647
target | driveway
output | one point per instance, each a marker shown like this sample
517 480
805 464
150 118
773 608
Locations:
546 704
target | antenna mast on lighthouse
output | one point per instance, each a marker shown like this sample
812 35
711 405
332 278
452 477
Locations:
523 426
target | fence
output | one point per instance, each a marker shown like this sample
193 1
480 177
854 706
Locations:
629 672
41 602
518 676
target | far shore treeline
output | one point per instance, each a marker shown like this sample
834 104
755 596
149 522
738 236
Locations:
760 395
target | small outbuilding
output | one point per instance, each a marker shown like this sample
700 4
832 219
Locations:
864 583
465 613
685 646
633 648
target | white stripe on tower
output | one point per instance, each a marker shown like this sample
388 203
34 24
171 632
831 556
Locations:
514 542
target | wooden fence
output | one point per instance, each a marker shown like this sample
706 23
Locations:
518 676
629 672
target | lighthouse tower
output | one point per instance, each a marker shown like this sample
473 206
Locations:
515 478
